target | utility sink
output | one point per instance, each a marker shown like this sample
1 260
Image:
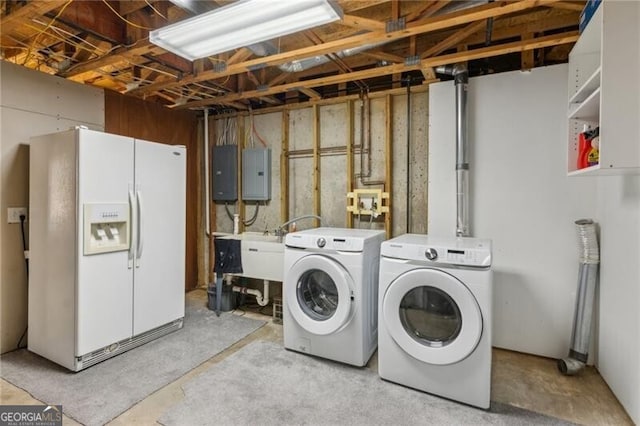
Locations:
262 255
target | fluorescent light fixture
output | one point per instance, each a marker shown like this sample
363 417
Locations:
242 23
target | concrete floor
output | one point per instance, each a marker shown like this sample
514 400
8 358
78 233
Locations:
521 380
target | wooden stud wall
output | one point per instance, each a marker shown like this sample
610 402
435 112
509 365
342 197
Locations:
316 163
284 169
388 159
350 143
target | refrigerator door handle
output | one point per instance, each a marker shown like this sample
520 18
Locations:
140 228
131 225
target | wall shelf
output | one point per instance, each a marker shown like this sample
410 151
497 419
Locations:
587 88
602 80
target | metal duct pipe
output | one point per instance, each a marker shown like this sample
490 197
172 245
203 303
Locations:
583 313
460 74
314 61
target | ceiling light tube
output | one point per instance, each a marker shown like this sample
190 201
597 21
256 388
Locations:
242 23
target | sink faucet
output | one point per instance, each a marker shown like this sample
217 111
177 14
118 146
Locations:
281 230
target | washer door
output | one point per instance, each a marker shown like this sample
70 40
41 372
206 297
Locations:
432 316
318 294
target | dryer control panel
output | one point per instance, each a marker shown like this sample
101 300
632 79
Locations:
462 251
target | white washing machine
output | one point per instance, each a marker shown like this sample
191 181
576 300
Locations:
330 291
435 316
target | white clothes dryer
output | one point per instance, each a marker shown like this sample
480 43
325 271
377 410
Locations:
435 316
330 293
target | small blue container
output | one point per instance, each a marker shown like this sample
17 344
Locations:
589 9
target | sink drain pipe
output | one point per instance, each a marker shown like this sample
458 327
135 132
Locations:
583 313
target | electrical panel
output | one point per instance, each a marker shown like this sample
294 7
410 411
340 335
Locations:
225 173
256 174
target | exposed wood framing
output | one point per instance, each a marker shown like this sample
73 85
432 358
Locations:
361 23
316 164
284 168
452 58
388 160
453 39
419 27
310 93
350 143
568 6
527 56
329 101
212 205
30 10
241 142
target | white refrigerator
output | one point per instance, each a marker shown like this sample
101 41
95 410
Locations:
106 244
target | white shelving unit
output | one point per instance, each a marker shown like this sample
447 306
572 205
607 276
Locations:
604 89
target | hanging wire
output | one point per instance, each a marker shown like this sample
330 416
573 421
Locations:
155 10
35 40
253 218
123 18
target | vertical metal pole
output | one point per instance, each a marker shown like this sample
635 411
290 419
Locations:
462 155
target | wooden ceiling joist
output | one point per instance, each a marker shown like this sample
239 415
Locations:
419 27
361 23
30 10
481 53
453 39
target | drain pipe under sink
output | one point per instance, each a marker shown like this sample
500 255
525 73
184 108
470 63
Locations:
262 297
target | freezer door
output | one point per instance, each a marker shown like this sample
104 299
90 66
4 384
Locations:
160 179
104 290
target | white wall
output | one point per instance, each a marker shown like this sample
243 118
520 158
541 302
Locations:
520 197
619 333
31 103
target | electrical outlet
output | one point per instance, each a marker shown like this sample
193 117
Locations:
14 213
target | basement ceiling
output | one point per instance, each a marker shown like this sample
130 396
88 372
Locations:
379 44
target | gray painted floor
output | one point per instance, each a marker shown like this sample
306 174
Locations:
518 380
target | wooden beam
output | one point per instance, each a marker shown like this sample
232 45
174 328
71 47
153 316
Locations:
388 160
241 141
32 9
284 168
127 7
451 58
568 6
527 60
429 9
316 163
350 144
384 56
145 47
453 39
310 93
241 55
361 23
419 27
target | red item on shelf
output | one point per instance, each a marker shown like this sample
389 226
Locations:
584 147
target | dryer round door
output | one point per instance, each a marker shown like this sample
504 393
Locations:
432 316
318 294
